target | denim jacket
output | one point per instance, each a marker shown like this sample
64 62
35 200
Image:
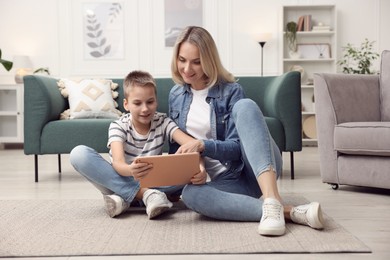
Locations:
224 145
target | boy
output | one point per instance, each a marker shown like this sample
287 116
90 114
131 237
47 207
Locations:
140 132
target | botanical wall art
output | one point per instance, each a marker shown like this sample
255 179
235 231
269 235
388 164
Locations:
178 15
103 30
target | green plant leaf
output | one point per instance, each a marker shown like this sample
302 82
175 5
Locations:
7 64
358 60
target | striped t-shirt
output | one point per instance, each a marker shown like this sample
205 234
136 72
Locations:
135 145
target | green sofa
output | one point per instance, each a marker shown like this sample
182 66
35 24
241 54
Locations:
279 97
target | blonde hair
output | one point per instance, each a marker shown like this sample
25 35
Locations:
138 78
209 57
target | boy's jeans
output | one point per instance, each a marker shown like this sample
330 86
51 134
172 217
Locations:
100 173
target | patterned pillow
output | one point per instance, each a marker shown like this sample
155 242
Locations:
89 98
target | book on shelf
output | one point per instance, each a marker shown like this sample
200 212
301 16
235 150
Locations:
300 23
304 23
307 23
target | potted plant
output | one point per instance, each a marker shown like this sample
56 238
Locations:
291 37
6 64
358 60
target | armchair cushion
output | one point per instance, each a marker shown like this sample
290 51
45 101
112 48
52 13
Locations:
385 85
353 98
363 138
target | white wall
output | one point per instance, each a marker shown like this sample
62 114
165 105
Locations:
49 32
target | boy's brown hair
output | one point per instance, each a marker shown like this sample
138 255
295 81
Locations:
138 78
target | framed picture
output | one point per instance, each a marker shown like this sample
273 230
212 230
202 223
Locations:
97 39
314 50
180 14
103 30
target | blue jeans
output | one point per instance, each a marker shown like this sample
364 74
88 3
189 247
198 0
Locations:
235 196
100 173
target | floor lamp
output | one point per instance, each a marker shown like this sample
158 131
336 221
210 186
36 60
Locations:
262 47
262 39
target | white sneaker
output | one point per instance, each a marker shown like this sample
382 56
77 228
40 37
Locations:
272 221
115 205
308 214
156 202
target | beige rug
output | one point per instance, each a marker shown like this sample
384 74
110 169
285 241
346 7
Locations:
82 228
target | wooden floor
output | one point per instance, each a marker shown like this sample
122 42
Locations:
364 212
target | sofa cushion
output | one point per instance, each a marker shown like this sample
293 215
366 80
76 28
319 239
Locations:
385 85
363 138
89 98
91 132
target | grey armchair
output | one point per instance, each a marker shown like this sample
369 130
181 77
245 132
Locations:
353 127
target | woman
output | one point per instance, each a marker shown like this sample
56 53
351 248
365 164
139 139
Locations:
242 159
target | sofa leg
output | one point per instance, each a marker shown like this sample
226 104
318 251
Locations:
36 166
292 164
59 166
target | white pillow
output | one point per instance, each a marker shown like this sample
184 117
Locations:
89 98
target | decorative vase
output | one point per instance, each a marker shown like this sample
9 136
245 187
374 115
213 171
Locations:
294 54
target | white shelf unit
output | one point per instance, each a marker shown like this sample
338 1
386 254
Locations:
11 113
327 15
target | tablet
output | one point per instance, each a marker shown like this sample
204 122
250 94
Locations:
170 169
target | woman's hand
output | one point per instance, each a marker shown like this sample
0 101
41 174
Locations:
201 176
191 146
139 169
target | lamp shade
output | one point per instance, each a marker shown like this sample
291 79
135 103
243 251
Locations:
23 66
263 37
22 62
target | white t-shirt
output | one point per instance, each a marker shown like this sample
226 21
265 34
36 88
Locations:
198 125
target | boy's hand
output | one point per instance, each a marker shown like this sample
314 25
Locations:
140 169
201 176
